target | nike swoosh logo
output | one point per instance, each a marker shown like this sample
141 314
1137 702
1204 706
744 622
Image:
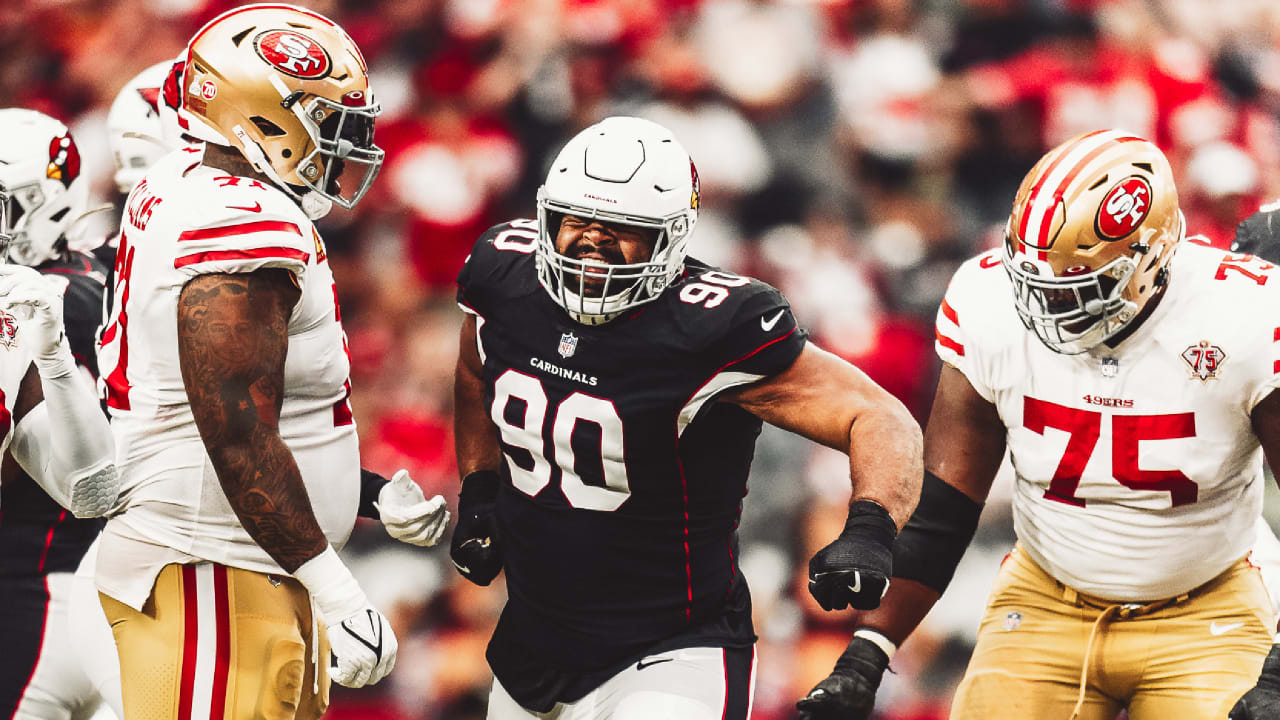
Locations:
642 664
256 207
856 587
767 325
375 629
1216 629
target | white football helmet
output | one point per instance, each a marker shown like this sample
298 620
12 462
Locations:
624 171
40 173
134 132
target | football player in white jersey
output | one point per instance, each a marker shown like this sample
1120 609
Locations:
1130 376
225 368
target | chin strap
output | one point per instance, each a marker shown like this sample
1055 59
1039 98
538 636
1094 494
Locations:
313 204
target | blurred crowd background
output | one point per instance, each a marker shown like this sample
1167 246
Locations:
851 152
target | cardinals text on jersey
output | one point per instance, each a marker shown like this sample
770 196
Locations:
1138 474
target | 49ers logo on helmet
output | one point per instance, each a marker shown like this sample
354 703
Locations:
1124 208
294 54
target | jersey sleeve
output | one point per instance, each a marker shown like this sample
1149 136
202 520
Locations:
958 318
493 262
763 336
243 228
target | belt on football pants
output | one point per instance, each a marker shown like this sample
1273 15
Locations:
1119 611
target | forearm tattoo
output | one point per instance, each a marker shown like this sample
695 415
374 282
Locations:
232 341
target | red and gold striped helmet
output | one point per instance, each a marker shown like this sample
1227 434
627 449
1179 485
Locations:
1093 229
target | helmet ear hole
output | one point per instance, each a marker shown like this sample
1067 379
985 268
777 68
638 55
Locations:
267 127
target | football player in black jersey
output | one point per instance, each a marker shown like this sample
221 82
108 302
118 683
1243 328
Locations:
40 541
608 395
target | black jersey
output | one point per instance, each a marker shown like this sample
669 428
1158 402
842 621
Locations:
36 534
623 478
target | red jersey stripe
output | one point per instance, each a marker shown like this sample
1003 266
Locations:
950 313
248 228
280 253
948 343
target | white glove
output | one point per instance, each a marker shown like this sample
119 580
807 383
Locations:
406 513
37 304
362 646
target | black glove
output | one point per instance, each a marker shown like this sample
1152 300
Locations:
1263 701
476 547
855 569
849 692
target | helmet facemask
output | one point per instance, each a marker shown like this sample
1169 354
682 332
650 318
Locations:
621 286
345 160
1072 314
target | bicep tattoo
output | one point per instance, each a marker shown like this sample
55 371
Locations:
232 342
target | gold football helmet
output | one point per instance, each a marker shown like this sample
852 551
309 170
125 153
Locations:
289 89
1093 229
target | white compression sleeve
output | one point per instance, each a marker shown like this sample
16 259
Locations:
65 443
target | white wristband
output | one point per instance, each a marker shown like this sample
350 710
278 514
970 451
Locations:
333 588
877 639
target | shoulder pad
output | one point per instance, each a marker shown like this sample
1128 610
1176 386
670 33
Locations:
501 264
736 320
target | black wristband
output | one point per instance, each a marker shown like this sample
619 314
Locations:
937 535
371 484
480 486
869 520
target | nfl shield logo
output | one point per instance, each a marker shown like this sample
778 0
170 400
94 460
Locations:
568 344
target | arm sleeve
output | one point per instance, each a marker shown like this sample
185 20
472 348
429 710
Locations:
66 445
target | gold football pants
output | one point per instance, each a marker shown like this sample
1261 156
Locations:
220 643
1040 643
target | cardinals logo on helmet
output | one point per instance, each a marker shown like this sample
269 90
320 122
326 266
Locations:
1124 208
696 197
64 160
294 53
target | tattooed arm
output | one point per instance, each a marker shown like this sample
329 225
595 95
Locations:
232 341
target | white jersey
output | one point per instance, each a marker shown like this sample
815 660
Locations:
186 219
1138 473
15 359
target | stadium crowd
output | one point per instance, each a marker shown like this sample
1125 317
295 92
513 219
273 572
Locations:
851 152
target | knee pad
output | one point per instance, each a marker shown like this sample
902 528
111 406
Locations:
281 690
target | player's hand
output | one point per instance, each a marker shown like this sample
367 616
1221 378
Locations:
1263 701
849 692
362 647
37 304
855 569
406 513
476 548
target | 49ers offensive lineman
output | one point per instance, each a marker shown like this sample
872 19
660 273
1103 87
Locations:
226 373
1130 376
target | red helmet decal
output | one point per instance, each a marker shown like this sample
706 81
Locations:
1123 208
151 96
355 98
64 160
696 198
294 54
